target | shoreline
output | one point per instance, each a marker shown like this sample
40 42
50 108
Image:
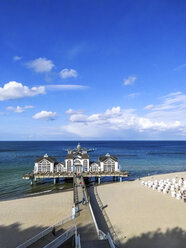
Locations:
54 191
37 194
171 174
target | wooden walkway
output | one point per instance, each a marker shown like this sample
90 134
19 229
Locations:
84 222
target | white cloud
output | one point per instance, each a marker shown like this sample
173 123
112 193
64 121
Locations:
14 90
19 109
172 109
130 80
120 122
71 111
67 73
45 115
78 118
82 130
74 51
133 95
16 58
41 65
150 106
180 67
65 87
175 100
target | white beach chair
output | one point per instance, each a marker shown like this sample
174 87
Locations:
154 187
178 196
165 191
172 187
159 189
173 193
174 180
182 190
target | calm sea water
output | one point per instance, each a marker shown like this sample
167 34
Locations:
139 158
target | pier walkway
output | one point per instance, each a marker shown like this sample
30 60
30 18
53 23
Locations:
85 225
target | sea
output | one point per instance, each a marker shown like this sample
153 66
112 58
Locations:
139 158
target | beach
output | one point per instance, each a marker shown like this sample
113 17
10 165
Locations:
140 216
20 219
143 217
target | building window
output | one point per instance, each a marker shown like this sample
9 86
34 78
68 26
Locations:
77 162
59 168
109 165
69 166
85 163
44 162
94 167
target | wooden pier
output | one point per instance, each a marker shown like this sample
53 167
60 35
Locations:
56 176
82 229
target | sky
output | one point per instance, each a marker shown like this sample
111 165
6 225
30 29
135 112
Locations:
92 70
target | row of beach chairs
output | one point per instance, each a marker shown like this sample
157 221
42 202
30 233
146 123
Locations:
176 187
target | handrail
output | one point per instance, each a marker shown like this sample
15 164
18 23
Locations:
101 234
35 238
111 243
109 224
77 240
94 219
62 238
43 233
75 190
86 193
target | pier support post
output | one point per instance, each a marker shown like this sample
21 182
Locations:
120 179
54 180
99 180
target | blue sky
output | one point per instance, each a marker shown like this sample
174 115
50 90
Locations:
92 70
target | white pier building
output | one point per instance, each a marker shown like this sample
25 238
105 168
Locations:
77 160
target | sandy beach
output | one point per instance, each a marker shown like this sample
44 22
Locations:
20 219
143 217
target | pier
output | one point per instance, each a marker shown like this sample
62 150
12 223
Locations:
89 226
82 229
116 175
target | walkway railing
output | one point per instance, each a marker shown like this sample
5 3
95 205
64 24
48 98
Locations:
43 233
109 224
77 240
62 238
75 190
85 188
94 219
111 243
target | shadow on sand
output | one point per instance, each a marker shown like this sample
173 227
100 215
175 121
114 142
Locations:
172 238
12 235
